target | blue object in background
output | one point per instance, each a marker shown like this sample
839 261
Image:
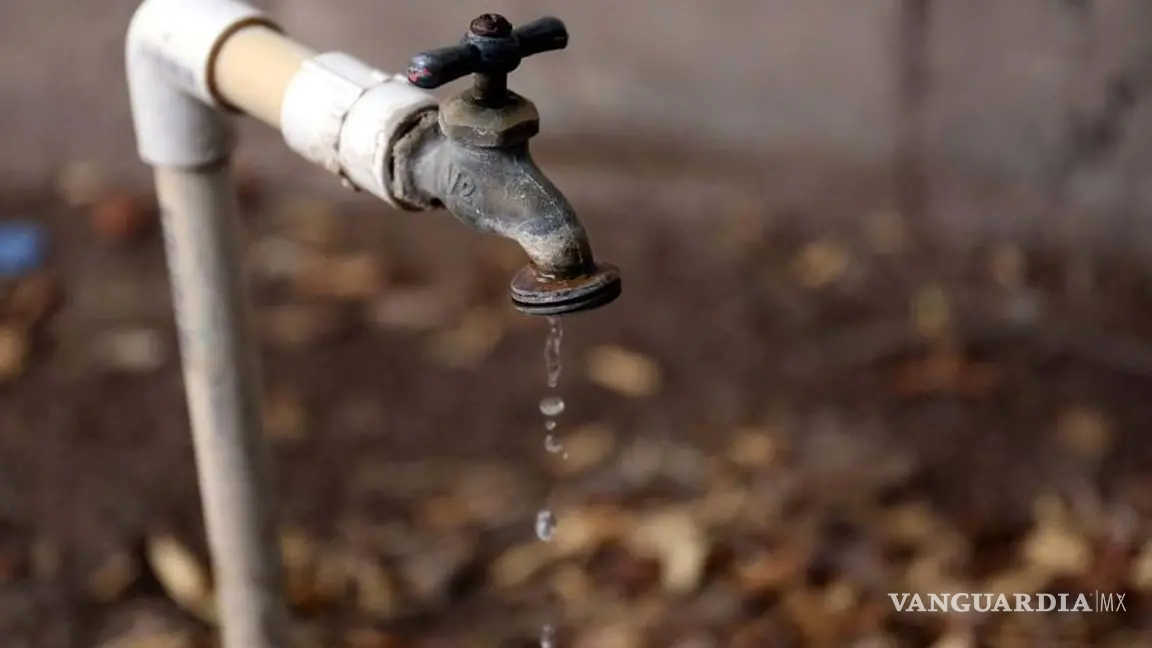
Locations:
22 248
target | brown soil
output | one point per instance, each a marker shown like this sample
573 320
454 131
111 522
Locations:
792 317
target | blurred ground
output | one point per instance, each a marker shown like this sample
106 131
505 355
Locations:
806 398
800 404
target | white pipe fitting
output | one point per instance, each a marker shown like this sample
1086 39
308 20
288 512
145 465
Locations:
344 115
332 109
179 120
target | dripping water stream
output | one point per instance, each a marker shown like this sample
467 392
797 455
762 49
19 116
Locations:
551 406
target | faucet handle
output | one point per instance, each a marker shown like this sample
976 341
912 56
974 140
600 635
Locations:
490 50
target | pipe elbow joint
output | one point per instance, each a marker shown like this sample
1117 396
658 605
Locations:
178 118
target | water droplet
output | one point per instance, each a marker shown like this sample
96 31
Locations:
552 444
545 525
552 406
548 636
552 351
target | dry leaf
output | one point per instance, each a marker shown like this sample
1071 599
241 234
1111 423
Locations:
1057 550
1140 574
911 523
617 635
584 448
14 352
754 448
955 640
520 564
625 372
331 573
724 503
298 553
936 569
573 585
376 592
1084 432
585 529
181 575
819 626
165 639
821 263
678 542
771 570
841 598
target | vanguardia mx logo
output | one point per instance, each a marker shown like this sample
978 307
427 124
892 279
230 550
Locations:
984 602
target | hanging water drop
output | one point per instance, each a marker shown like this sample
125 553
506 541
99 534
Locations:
545 525
552 351
552 406
553 445
548 636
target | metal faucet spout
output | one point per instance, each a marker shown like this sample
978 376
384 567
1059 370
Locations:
471 157
503 192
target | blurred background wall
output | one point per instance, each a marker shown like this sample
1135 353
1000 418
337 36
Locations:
1046 91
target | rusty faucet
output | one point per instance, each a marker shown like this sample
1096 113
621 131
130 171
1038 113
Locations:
473 159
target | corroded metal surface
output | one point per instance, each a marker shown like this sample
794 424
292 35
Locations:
475 162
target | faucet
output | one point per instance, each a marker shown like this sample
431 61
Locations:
192 65
473 159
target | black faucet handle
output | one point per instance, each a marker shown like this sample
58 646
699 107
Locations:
490 50
546 34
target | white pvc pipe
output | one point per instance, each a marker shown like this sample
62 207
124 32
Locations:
221 382
253 69
190 63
